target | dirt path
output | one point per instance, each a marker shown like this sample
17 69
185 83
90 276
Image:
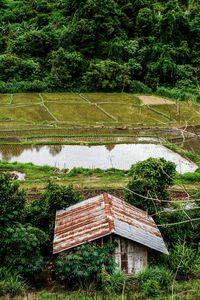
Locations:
154 100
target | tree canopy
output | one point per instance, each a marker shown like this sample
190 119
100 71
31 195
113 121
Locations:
98 44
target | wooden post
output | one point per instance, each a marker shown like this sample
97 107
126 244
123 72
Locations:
102 242
111 238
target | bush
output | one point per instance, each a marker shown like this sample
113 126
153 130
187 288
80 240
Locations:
186 258
173 93
84 265
151 287
14 87
191 176
153 279
12 284
139 87
150 179
79 170
117 281
198 99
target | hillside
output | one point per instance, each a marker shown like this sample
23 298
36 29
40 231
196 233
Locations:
116 45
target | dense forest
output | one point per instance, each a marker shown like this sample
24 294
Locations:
91 45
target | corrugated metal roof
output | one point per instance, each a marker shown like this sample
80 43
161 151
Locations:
100 216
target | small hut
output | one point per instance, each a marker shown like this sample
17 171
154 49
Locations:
104 218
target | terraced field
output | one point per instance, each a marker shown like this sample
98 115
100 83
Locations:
131 114
33 113
25 98
112 98
181 113
62 97
63 115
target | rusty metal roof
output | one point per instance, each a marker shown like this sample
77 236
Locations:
100 216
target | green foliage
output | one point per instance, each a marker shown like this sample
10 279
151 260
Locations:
41 212
144 21
191 176
21 250
150 179
79 170
187 231
12 284
114 283
107 75
84 264
154 279
65 66
155 42
139 87
151 287
12 200
59 197
185 259
173 93
19 244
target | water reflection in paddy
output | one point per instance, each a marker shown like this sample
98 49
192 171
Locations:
120 156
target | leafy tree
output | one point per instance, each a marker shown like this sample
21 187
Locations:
150 179
66 69
144 21
12 200
98 32
20 248
107 75
19 244
41 212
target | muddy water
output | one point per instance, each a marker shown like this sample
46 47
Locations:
109 156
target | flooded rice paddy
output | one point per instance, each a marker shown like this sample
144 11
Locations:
120 156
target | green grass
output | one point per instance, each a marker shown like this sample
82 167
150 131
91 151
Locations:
33 113
182 290
85 112
32 171
63 97
5 98
130 114
26 98
182 113
111 97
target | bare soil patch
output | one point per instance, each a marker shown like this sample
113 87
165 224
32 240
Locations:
154 100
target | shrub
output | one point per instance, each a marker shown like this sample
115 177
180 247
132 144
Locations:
151 287
84 265
153 279
139 87
198 99
12 284
185 258
150 179
14 87
79 170
117 281
191 176
114 283
173 93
